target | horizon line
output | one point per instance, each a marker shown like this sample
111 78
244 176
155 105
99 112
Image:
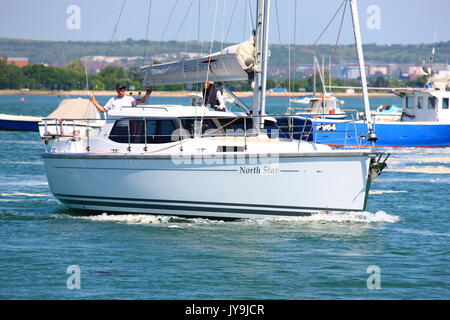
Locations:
230 43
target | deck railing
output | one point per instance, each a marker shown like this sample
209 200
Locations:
147 130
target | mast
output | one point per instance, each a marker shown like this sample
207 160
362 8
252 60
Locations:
359 50
262 50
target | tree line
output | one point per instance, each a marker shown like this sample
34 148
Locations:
73 77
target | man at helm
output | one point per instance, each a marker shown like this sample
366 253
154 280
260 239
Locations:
213 97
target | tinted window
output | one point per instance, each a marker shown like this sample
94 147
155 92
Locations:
151 127
431 102
164 130
207 125
409 102
119 132
134 131
235 124
445 103
419 102
209 128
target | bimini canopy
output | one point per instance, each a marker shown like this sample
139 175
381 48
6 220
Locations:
232 63
75 109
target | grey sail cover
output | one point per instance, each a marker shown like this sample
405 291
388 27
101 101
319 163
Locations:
232 63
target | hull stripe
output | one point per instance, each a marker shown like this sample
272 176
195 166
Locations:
221 206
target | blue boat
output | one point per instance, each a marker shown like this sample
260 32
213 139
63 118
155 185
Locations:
19 123
423 121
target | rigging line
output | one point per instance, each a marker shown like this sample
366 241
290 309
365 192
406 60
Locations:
113 34
146 33
289 52
211 47
212 39
278 21
189 31
223 24
341 25
231 20
250 13
333 56
184 20
295 22
329 23
245 22
168 20
87 80
321 34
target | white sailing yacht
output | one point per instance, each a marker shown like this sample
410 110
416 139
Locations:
195 161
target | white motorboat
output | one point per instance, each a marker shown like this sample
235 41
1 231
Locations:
194 161
323 107
302 100
387 112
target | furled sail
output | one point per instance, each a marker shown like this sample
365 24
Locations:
232 63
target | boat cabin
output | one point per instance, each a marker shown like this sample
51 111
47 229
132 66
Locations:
158 124
424 105
327 105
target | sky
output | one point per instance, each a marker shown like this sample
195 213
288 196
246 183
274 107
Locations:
382 21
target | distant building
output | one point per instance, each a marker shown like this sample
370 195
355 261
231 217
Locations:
16 61
374 70
415 72
352 71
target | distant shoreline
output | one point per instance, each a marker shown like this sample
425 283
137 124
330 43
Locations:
174 94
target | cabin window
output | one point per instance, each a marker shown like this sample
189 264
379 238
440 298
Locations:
419 102
119 132
409 102
207 125
445 103
431 103
134 131
209 128
160 131
236 125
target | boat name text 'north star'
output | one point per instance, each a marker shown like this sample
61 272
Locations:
263 170
240 309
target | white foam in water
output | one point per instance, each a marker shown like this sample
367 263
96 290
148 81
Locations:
341 217
376 192
24 183
423 169
23 194
177 222
129 218
146 219
22 162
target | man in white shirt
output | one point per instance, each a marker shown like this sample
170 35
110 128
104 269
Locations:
121 100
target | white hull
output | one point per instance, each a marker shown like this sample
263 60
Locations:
296 185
